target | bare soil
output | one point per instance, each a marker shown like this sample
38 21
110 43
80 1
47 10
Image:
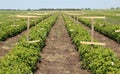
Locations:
102 38
59 56
8 44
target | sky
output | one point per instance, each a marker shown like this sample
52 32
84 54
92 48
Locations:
37 4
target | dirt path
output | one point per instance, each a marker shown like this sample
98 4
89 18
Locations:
7 45
101 38
59 55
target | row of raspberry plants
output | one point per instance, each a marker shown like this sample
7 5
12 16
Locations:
24 56
98 59
104 28
7 30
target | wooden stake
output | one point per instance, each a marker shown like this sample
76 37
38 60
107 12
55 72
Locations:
92 43
117 30
95 17
28 23
38 13
35 41
92 24
28 26
92 31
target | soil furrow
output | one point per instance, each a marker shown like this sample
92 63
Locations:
59 56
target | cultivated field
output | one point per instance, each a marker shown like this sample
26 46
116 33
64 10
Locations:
60 42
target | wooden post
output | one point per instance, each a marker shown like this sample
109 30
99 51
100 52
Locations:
28 26
28 23
92 31
92 25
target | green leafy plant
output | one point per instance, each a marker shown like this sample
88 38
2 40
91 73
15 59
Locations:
98 59
23 58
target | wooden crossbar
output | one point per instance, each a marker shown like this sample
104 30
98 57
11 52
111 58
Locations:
31 13
92 30
95 17
92 24
92 43
28 23
38 13
75 14
90 17
101 25
35 41
117 30
23 16
117 14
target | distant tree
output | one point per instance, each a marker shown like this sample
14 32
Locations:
112 8
87 9
29 9
118 8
